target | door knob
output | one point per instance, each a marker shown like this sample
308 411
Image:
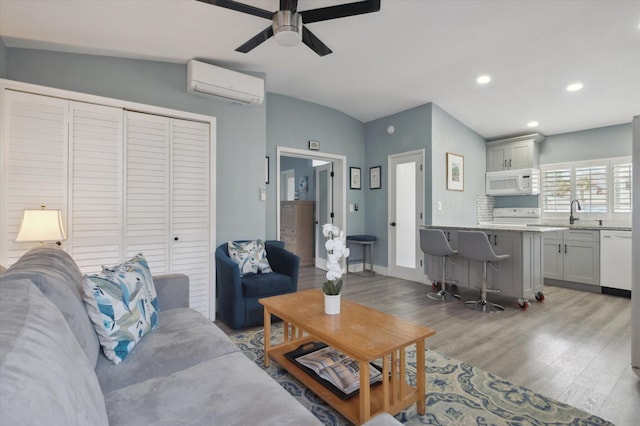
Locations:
392 224
175 238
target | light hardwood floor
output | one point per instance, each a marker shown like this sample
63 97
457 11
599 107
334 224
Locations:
574 347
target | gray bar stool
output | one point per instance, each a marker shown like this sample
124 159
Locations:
475 245
434 243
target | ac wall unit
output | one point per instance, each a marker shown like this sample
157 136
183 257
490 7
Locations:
226 85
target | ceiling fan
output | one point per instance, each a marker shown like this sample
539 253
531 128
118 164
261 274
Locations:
287 24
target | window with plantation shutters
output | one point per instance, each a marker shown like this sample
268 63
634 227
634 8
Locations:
622 192
603 188
591 188
556 189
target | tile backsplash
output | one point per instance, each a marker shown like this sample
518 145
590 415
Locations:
484 208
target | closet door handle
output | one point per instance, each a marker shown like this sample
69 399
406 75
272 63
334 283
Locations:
565 248
509 163
392 224
559 248
175 238
505 164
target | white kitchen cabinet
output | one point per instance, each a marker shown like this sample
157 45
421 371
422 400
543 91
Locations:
514 153
573 255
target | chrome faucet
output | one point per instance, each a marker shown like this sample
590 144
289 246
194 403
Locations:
572 218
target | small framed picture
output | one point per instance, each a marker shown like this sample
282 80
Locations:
354 181
374 177
455 172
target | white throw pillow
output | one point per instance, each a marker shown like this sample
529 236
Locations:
250 256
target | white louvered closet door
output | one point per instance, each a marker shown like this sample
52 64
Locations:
147 189
95 207
34 163
190 218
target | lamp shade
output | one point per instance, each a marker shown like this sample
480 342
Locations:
41 225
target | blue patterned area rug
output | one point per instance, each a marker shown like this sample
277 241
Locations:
457 393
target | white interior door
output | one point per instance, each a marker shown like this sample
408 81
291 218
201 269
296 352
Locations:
406 204
324 207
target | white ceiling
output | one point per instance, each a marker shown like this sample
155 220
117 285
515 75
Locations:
410 53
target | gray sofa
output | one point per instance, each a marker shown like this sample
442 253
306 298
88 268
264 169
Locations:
188 371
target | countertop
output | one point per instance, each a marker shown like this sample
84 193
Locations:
502 227
543 227
593 227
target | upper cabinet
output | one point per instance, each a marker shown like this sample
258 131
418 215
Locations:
514 153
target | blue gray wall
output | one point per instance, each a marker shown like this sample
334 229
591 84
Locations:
451 135
292 123
412 132
241 136
303 169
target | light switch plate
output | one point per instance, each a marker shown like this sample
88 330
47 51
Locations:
263 193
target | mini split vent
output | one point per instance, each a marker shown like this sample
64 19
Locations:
225 85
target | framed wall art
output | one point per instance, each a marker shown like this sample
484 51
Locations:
455 172
354 178
374 177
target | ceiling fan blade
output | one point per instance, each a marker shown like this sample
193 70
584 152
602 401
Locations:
240 7
291 5
340 11
314 42
254 42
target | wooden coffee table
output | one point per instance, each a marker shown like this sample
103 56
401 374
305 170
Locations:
360 332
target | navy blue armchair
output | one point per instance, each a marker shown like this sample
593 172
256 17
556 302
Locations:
238 296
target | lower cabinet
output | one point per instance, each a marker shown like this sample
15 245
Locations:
573 255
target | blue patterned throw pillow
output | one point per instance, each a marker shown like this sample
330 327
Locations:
250 256
123 305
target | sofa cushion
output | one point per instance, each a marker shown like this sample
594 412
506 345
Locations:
120 302
57 276
258 285
186 338
230 390
45 377
250 256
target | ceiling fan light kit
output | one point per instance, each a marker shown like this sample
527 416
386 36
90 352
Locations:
287 24
287 28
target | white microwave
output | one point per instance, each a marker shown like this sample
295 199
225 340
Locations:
513 182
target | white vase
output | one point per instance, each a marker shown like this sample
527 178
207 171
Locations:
331 304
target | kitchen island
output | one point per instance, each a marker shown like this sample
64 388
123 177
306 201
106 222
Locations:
520 276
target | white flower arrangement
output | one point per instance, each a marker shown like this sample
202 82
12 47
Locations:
337 250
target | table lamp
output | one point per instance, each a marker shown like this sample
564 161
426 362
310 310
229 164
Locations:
41 225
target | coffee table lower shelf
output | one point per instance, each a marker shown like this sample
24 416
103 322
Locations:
349 408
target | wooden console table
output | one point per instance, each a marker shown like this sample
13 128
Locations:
361 333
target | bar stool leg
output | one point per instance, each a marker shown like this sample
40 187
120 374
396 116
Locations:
442 295
482 304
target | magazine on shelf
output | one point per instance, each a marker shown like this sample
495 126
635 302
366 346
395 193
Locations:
337 368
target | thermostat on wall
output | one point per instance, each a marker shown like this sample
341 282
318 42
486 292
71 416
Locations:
314 145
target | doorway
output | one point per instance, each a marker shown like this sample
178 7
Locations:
329 194
406 205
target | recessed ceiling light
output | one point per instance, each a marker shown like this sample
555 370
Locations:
574 87
483 79
532 124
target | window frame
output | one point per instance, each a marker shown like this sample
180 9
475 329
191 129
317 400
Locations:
609 163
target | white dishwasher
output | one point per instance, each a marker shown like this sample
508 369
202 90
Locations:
615 259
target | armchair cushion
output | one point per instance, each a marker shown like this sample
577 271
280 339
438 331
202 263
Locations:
262 285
